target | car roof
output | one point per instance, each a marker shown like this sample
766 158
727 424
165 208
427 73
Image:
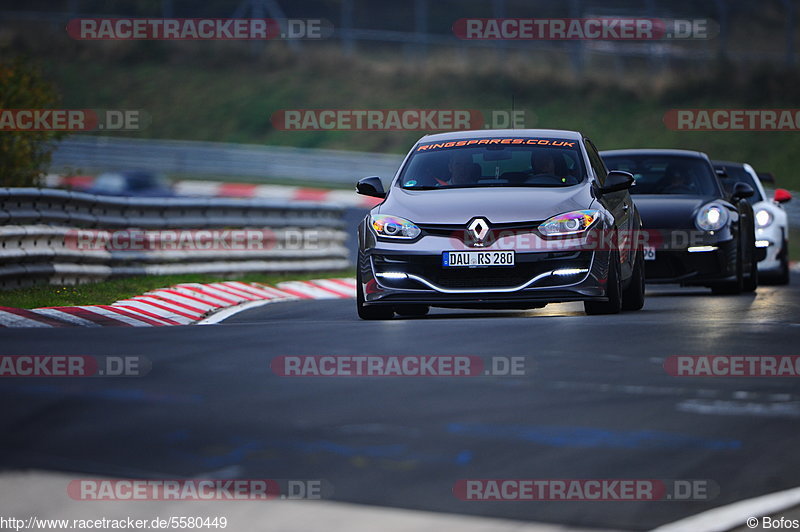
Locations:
726 163
648 151
497 133
744 166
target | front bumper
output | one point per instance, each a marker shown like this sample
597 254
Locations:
693 268
416 276
773 252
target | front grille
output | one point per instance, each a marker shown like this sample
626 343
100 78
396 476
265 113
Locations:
495 277
446 228
528 266
665 267
460 233
679 264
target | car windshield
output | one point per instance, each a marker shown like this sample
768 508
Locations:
145 181
737 174
521 162
110 183
667 174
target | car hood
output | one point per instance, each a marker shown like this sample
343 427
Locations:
497 204
670 211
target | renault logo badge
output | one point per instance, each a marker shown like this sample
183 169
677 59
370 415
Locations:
479 229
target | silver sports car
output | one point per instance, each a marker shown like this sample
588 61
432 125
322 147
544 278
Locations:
500 219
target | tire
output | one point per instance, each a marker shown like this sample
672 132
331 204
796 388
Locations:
374 312
732 288
411 311
750 283
633 296
613 290
783 277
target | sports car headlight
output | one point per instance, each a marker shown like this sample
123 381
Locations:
569 223
394 227
712 217
764 218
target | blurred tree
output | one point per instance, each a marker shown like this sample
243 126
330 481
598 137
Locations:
24 154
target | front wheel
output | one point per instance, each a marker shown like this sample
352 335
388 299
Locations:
613 291
633 296
411 311
750 283
732 287
370 312
783 276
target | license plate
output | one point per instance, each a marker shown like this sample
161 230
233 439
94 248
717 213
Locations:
472 259
649 253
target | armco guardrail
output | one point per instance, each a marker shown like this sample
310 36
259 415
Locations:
64 237
217 159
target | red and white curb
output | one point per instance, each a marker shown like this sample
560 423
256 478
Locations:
289 193
218 189
183 304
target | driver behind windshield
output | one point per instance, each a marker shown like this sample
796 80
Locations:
494 166
547 163
462 170
678 181
543 163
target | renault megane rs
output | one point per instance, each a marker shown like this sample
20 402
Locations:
500 219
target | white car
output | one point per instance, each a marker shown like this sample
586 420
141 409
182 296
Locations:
772 224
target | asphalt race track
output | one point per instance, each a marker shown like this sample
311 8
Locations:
595 403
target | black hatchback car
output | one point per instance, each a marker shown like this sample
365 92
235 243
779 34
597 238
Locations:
500 219
697 233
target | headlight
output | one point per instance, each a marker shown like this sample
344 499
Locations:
712 218
394 227
764 218
569 223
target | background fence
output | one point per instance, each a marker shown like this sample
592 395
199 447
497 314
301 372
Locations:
245 162
65 237
239 162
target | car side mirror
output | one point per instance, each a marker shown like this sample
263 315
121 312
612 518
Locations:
371 186
721 172
617 180
741 191
766 177
782 195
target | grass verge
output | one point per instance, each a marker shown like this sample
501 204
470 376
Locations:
107 292
233 99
